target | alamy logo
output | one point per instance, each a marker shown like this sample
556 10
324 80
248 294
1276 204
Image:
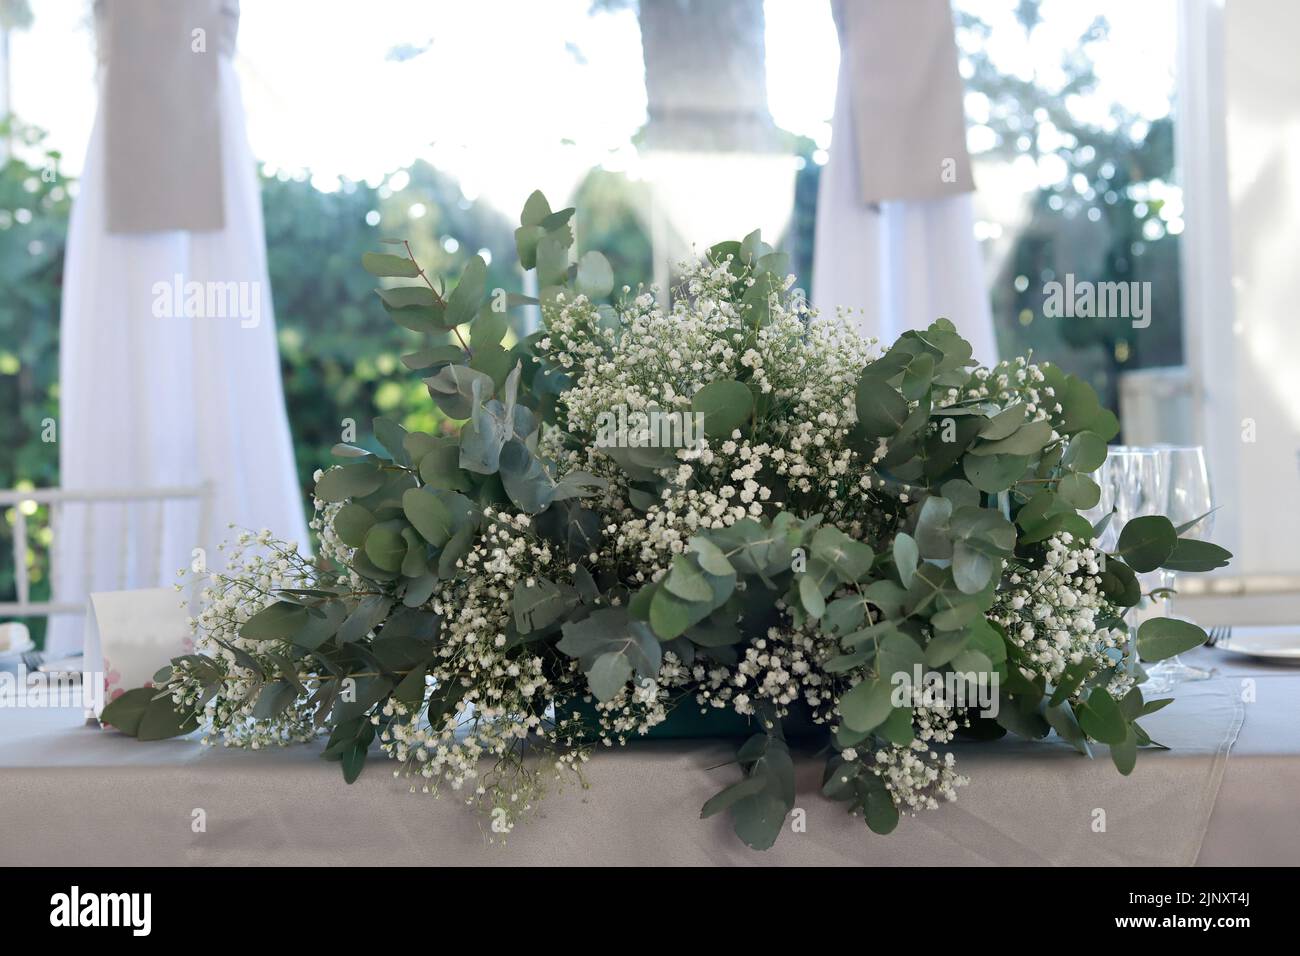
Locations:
208 300
75 908
19 688
619 428
953 689
1098 300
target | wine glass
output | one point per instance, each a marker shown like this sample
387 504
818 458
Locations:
1188 499
1132 483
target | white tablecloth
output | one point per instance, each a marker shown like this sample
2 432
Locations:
77 795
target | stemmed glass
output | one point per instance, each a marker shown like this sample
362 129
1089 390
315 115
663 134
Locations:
1188 499
1133 484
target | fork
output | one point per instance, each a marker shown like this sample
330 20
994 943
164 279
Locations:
1218 635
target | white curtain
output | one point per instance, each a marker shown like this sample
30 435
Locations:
899 264
149 400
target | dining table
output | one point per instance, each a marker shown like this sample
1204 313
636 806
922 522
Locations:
1226 792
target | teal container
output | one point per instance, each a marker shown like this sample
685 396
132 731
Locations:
685 722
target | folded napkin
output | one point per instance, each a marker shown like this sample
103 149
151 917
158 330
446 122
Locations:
130 636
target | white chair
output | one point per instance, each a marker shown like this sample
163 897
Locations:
152 501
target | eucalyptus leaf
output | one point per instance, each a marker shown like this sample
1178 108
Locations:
386 547
866 705
881 409
349 481
1085 453
386 264
1159 638
1101 719
1146 542
595 278
725 404
906 557
428 515
278 621
464 302
1189 554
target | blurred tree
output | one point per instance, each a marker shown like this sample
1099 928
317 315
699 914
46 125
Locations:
613 211
34 204
1100 219
14 15
801 232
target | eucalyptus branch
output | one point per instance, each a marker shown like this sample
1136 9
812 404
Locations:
436 294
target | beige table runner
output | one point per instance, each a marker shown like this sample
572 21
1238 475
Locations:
79 795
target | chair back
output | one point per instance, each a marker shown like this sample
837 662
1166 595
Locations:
145 508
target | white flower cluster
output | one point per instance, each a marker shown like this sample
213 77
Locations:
918 777
1054 612
1011 381
226 693
493 699
804 368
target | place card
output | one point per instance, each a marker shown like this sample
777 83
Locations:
130 636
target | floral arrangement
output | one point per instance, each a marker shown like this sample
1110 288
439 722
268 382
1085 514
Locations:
731 516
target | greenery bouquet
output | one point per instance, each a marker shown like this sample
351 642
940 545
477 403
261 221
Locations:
729 516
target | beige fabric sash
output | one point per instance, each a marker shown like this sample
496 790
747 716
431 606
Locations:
906 98
161 111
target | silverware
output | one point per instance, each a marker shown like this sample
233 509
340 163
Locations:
68 667
35 661
1219 635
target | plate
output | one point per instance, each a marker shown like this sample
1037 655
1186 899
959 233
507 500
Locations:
1265 643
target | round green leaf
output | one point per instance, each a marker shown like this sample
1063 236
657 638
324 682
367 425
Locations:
725 404
880 812
126 711
1004 423
162 720
385 547
1080 491
810 595
971 567
349 481
1028 439
428 515
1124 753
866 705
710 556
351 524
1161 637
595 277
685 580
1085 453
994 473
1146 542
